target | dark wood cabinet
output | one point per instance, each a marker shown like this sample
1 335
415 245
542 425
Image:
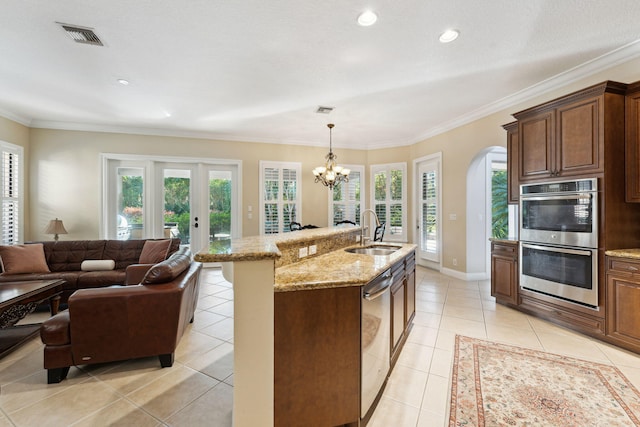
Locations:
623 302
504 271
632 143
317 357
410 273
398 309
568 137
513 179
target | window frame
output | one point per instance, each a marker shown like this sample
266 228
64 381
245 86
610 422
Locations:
404 203
18 183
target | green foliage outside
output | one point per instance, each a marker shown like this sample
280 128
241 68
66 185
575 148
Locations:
177 204
499 208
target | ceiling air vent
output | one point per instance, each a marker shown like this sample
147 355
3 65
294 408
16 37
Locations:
81 34
324 110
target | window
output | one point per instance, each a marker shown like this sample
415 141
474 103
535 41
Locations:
389 193
279 196
347 198
12 197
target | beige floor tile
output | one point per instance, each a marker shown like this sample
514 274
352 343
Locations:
393 413
578 347
462 285
172 392
463 313
78 402
203 319
427 319
225 309
470 328
217 363
406 385
193 344
430 296
463 293
416 356
619 356
34 388
222 330
508 317
226 294
210 301
24 361
431 419
463 302
441 363
507 334
446 340
429 307
423 335
133 374
436 395
214 408
120 413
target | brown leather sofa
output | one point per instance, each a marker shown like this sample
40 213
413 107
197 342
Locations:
147 317
64 259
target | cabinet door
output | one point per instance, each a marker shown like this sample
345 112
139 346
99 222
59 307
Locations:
578 150
623 316
536 141
513 183
410 285
397 315
632 146
504 273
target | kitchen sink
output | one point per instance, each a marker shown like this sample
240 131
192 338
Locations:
373 250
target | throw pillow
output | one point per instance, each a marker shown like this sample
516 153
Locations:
18 259
97 265
154 251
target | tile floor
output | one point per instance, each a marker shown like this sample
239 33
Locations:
198 389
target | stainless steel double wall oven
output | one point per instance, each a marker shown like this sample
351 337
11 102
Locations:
559 240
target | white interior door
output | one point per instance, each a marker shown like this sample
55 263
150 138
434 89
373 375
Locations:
428 209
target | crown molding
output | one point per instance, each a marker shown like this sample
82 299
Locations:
15 117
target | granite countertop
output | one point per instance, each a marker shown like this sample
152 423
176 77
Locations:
255 248
624 253
336 269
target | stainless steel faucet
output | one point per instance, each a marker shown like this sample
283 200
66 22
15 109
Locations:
362 223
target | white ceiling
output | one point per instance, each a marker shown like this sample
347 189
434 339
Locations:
256 70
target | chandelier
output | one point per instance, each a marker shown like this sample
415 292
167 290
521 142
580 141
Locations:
330 174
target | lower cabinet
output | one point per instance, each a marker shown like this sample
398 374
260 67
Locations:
504 271
623 302
398 302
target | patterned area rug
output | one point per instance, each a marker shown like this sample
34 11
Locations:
500 385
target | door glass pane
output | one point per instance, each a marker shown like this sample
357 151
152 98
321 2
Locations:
396 184
380 186
499 207
429 212
130 188
177 208
219 205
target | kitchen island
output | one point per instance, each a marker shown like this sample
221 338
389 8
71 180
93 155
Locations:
263 266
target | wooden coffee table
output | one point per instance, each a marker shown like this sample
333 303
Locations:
17 300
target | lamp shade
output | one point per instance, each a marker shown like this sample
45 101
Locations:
55 227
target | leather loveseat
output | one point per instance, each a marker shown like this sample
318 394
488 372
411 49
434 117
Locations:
64 260
114 323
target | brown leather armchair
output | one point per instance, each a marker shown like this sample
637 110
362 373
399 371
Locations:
124 322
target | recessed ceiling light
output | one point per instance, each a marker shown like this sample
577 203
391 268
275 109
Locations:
123 82
367 18
449 36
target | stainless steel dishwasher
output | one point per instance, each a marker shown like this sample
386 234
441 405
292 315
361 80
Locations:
375 338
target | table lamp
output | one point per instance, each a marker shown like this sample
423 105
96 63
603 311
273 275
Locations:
55 227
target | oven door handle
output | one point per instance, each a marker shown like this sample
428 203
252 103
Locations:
560 250
580 196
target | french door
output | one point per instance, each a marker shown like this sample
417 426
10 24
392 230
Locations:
194 201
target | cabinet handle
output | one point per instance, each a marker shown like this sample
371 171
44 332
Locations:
632 268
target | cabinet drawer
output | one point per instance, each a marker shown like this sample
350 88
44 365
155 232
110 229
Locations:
625 265
504 249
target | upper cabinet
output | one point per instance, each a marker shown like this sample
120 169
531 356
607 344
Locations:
567 136
632 148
